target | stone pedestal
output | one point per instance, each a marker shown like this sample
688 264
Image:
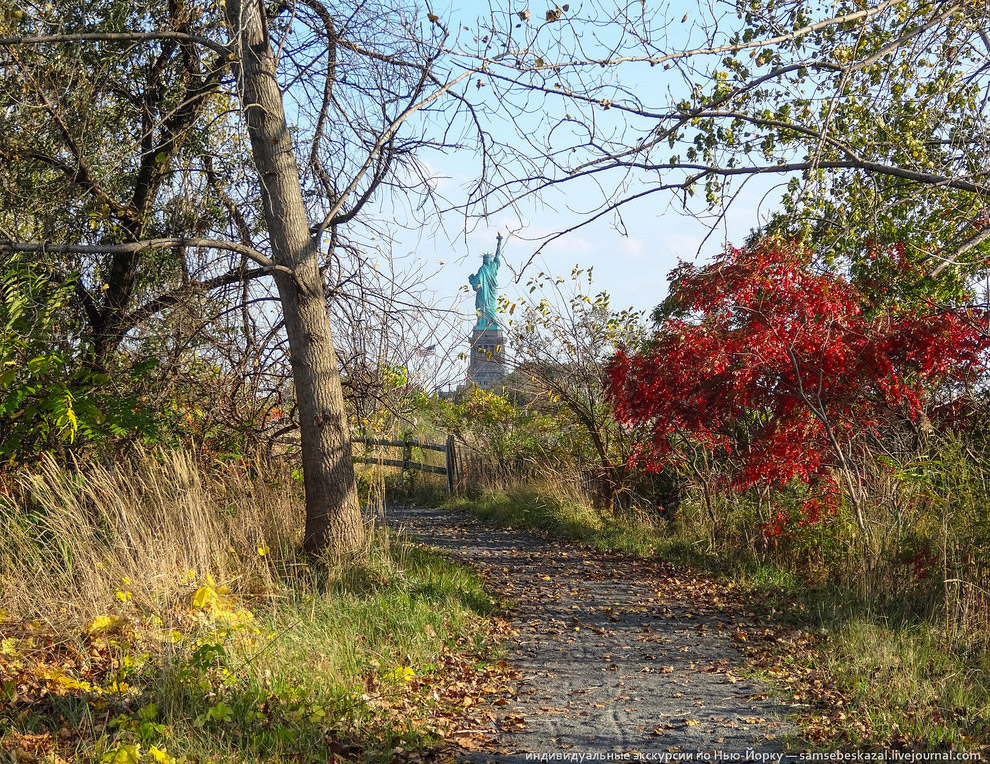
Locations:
487 367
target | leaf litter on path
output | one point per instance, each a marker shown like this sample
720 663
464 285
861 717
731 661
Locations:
616 653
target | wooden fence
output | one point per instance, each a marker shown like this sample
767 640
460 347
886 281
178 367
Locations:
449 449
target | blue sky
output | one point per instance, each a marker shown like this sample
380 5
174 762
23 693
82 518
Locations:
631 265
632 268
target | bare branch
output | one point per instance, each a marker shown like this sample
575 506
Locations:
164 301
731 47
220 48
382 141
141 246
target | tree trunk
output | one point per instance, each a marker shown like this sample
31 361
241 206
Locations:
333 515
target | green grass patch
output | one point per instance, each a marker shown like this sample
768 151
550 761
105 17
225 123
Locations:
902 681
542 510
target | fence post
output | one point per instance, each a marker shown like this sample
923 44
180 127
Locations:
404 477
451 463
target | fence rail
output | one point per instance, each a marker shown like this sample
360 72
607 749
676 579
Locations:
402 443
406 463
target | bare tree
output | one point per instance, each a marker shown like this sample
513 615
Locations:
562 337
353 78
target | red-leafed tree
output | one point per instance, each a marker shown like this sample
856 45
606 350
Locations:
791 373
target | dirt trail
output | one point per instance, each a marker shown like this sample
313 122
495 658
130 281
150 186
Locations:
617 654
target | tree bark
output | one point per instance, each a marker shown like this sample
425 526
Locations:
333 515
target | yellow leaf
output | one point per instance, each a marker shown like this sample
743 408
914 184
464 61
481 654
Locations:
126 753
264 549
76 684
402 674
103 624
62 681
204 596
160 755
235 618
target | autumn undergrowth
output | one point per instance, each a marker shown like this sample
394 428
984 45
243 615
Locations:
899 674
158 612
905 678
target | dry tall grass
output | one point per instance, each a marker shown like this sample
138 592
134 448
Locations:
70 538
294 656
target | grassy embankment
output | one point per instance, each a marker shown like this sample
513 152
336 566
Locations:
155 612
870 675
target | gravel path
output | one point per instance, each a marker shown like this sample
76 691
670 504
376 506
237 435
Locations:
617 654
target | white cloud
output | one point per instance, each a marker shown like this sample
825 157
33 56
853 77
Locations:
631 247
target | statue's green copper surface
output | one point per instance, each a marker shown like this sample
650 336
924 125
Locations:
485 285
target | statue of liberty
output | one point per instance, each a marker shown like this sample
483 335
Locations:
485 285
